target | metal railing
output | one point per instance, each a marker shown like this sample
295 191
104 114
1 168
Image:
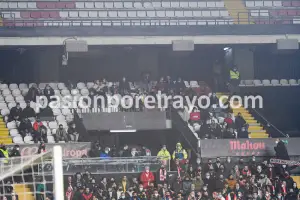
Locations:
274 131
112 165
16 165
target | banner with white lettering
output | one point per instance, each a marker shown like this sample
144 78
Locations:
246 147
70 150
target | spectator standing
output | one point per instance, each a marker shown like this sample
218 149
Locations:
105 154
239 121
164 155
146 177
179 153
61 134
78 194
125 152
234 76
179 85
87 195
124 86
72 132
32 94
124 185
162 175
48 92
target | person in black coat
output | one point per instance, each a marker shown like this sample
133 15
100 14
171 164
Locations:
124 86
33 92
281 151
16 112
48 92
125 152
28 112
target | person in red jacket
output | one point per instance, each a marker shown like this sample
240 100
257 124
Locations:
146 177
37 124
87 195
194 116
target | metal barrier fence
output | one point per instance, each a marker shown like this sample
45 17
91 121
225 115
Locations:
112 165
74 165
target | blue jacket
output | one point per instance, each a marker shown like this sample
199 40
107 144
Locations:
104 155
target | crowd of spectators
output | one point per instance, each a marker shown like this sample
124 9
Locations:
212 180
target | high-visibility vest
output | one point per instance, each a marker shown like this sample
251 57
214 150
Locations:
5 153
234 75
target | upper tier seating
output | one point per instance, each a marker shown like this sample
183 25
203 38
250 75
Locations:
274 12
273 82
114 13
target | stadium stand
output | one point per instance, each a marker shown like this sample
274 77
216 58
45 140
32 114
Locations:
120 13
271 12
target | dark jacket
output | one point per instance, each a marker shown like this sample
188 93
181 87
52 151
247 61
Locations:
28 112
15 111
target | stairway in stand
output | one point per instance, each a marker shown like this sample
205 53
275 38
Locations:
238 11
23 191
255 129
4 133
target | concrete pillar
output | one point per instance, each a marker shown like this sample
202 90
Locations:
49 63
148 61
244 59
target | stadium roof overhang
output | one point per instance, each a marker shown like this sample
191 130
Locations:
222 34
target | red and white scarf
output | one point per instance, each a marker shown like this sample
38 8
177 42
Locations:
162 174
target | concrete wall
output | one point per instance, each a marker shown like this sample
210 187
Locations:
244 59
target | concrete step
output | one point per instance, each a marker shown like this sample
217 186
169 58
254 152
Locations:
259 136
255 128
251 121
254 124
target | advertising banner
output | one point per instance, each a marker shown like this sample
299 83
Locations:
70 150
246 147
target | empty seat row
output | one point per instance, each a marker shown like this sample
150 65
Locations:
273 82
277 21
272 3
138 23
263 4
66 23
150 13
120 14
111 4
265 13
285 12
37 5
152 4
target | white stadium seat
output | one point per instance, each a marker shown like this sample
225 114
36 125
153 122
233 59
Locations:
266 82
293 82
275 82
11 125
248 82
257 83
284 82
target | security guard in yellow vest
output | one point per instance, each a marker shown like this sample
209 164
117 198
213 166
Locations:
4 154
234 76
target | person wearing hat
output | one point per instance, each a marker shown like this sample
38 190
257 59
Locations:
164 155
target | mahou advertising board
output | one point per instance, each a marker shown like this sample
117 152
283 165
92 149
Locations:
70 150
246 147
